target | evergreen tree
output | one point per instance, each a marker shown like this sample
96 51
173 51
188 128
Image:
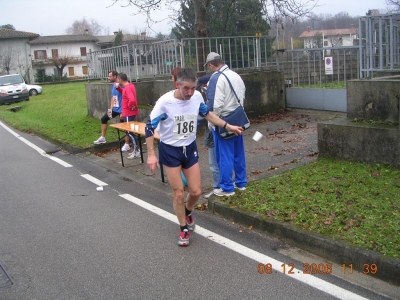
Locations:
224 18
119 38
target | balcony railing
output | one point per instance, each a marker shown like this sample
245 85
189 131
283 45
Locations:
48 61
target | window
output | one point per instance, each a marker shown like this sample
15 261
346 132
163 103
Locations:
83 51
54 53
40 54
84 70
71 71
326 43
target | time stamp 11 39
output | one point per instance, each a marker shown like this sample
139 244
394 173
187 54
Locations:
313 268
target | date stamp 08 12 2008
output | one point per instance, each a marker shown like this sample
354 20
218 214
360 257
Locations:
314 268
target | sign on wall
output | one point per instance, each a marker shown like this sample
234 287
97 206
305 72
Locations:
328 65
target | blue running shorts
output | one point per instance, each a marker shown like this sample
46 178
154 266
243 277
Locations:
185 156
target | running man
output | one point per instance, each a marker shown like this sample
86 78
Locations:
175 117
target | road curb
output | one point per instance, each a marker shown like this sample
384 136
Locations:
335 251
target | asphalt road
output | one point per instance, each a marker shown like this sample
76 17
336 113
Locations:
60 238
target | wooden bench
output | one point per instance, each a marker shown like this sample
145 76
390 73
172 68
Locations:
129 126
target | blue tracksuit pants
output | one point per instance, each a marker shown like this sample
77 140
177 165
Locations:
231 159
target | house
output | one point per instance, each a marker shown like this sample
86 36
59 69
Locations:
330 37
68 53
15 54
63 53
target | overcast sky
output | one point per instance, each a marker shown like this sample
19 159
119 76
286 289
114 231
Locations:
53 17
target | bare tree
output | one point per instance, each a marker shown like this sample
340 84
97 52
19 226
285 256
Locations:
80 27
6 59
62 58
394 5
336 41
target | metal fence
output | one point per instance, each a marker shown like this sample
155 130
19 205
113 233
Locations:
101 62
306 67
379 44
241 52
154 59
136 60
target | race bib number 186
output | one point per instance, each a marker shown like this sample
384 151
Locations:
185 126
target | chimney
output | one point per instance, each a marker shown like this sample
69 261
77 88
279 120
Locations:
86 31
115 32
308 28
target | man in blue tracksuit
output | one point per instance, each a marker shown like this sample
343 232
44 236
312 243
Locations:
222 102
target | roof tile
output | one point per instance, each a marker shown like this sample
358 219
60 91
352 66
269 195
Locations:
9 34
329 32
53 39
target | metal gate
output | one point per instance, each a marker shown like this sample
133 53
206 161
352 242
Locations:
137 60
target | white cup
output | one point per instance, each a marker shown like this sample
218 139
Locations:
133 126
136 127
99 189
257 136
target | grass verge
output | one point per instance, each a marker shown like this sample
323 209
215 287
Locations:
352 202
60 112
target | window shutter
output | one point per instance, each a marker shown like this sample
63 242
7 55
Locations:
83 51
35 54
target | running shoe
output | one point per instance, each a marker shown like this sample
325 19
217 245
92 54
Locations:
137 153
184 238
134 154
209 194
125 148
243 188
190 222
221 193
100 140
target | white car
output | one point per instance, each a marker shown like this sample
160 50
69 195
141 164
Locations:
34 89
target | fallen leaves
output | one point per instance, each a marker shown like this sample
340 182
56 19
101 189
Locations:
376 173
202 206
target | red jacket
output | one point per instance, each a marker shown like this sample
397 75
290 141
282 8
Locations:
129 100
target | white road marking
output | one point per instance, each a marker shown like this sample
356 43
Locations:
94 180
33 146
9 130
60 161
310 280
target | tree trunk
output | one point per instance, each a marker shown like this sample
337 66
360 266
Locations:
200 29
60 70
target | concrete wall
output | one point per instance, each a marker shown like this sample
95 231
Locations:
375 99
354 141
264 94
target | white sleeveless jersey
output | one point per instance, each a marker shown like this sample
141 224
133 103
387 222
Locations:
176 120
